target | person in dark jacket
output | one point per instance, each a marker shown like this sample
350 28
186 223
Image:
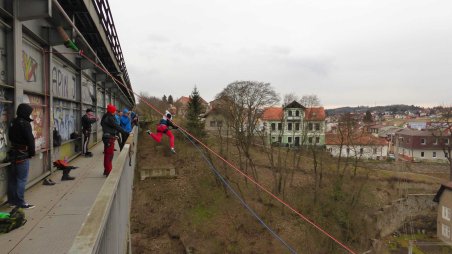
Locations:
87 120
163 128
110 129
22 149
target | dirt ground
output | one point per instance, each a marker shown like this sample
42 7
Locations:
192 213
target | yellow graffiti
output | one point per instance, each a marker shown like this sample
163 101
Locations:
29 66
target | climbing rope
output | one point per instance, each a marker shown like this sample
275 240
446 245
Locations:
227 185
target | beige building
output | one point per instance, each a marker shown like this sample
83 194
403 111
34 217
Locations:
444 222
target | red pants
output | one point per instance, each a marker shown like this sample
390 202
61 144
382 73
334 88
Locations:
163 129
109 151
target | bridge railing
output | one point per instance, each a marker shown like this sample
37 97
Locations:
107 226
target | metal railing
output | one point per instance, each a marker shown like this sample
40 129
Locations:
107 227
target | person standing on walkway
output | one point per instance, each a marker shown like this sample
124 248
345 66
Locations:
126 125
22 149
118 115
110 129
163 128
87 120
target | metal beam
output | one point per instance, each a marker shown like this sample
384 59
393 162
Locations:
34 9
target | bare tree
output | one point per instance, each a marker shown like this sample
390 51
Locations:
288 98
443 132
310 101
244 102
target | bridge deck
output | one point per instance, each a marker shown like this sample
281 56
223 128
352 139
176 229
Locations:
60 209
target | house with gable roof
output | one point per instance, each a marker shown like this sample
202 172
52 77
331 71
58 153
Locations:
294 125
444 218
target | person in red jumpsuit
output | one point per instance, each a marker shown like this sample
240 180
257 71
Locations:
163 128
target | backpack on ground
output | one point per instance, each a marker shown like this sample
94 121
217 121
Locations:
15 220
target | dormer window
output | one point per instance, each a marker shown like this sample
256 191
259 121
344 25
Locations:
297 113
423 142
290 112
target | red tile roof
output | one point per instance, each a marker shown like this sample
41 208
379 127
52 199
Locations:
272 114
354 139
315 114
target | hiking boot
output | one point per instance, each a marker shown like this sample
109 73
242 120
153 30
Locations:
11 205
173 150
48 182
27 206
67 178
88 155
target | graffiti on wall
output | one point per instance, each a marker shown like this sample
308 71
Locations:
64 118
36 102
29 66
88 95
3 129
63 82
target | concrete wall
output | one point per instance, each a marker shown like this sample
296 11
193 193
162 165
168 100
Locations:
391 217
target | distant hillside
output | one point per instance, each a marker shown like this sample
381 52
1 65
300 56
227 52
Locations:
380 109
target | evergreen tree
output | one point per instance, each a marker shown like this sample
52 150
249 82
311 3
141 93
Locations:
368 117
170 99
164 99
195 108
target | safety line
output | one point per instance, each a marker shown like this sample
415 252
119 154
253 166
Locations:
227 162
225 183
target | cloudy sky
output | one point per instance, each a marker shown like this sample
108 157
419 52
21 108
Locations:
350 52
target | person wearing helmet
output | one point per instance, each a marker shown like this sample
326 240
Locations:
163 128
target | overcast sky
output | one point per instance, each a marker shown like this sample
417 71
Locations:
348 53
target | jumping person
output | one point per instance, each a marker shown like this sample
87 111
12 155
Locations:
87 120
110 129
22 149
163 128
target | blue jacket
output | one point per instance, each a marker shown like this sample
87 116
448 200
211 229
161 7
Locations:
125 123
118 121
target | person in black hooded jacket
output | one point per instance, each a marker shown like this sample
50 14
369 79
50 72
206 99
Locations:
22 148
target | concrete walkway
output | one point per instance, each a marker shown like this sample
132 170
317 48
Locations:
60 209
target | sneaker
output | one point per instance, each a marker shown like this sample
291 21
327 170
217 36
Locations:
173 150
149 132
27 206
88 155
11 205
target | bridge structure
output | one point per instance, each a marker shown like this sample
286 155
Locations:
63 57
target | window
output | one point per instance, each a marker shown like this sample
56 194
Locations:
219 123
273 126
317 140
279 126
436 141
330 150
297 126
446 213
290 112
361 151
348 151
446 155
446 141
280 139
446 231
289 139
434 154
310 126
423 141
422 154
212 123
273 139
310 140
317 127
297 113
289 126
